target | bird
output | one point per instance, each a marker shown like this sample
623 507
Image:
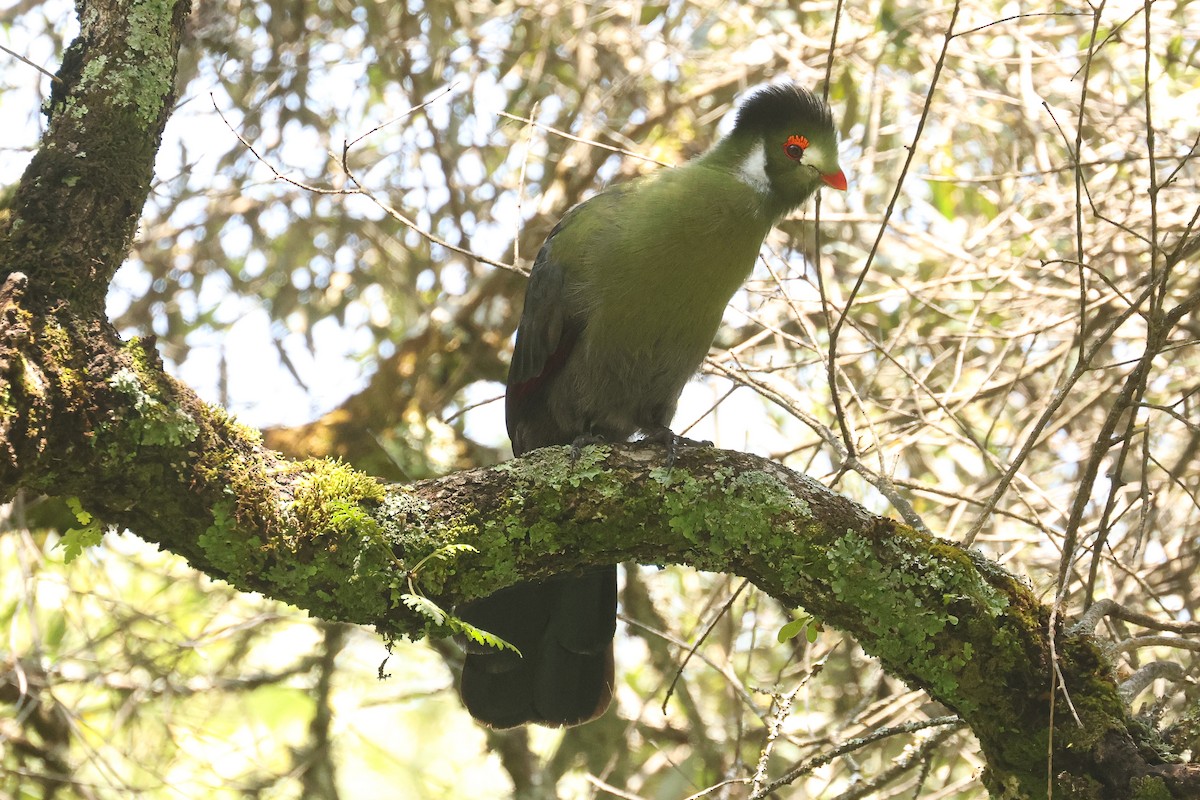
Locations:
623 302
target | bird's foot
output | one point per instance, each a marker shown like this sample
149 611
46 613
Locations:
672 441
582 441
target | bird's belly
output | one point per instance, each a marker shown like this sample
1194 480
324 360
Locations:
650 318
628 380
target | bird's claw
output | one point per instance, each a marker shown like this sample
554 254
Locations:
673 442
582 441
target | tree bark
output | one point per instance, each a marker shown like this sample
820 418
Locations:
87 415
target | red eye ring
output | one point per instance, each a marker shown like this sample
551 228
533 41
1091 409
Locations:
795 146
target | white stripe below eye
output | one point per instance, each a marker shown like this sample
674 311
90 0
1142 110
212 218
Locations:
819 159
753 170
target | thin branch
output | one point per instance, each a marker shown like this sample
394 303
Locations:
691 650
359 189
911 757
883 226
609 789
1110 608
38 67
1138 642
849 747
582 140
783 707
1153 671
1056 400
402 115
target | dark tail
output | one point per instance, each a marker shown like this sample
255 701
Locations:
564 629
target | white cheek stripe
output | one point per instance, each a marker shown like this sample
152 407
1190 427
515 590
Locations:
753 170
818 158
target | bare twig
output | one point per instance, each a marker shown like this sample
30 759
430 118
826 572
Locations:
38 67
850 746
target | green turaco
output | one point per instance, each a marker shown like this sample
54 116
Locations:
622 305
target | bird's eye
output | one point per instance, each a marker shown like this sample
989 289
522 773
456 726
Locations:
795 146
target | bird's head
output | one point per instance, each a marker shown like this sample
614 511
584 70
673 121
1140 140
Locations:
787 144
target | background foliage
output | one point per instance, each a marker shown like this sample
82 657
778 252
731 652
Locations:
345 197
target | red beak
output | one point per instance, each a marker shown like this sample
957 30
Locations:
835 179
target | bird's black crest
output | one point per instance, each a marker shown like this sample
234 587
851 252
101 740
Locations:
769 107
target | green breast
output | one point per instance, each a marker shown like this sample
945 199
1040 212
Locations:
656 261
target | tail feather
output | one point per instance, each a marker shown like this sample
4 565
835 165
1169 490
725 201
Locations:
564 629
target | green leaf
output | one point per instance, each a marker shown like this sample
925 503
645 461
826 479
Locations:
805 623
793 629
83 517
56 629
76 539
425 607
435 614
445 553
448 552
481 636
651 12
